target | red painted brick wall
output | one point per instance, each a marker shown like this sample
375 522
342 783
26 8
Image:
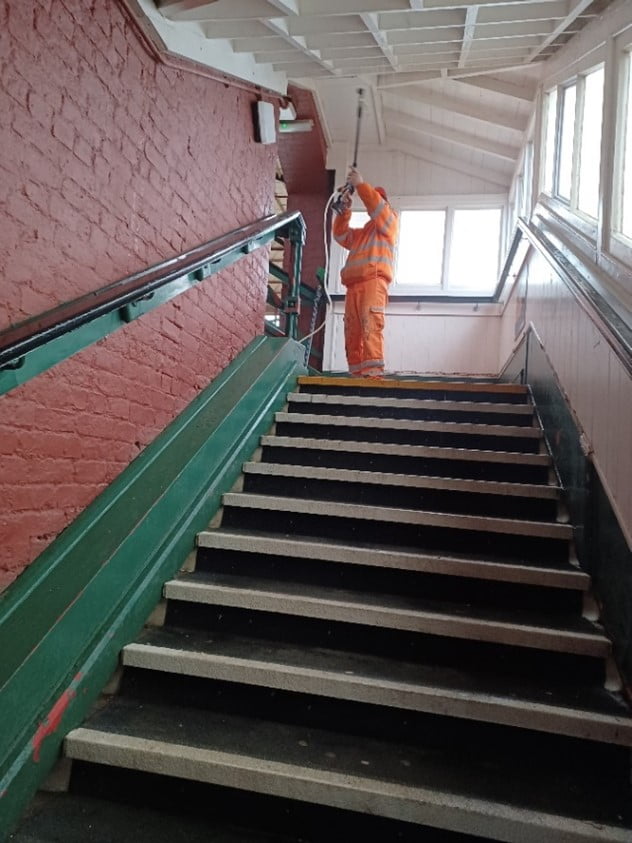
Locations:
109 162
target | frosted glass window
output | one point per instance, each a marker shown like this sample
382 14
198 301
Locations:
567 139
549 143
626 175
475 250
420 250
590 150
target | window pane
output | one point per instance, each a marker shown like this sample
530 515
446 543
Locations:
474 250
359 219
626 175
549 143
420 250
566 142
590 152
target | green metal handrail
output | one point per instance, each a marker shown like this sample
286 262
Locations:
37 344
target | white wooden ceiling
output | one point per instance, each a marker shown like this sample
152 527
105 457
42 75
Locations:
449 79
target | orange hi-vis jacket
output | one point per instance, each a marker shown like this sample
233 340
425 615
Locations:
372 248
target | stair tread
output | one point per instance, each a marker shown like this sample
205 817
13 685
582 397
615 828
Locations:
394 449
397 515
489 487
446 683
463 428
414 385
66 818
299 597
477 565
219 746
412 403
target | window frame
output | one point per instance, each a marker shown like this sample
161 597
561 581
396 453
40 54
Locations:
449 204
619 244
588 222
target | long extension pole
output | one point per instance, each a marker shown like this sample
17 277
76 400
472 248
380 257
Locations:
358 121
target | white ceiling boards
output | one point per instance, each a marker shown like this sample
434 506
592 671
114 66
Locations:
450 74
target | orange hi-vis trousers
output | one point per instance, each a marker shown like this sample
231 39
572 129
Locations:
365 304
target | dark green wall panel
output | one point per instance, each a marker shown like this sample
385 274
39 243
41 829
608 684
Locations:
64 621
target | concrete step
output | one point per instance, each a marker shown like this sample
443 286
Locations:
564 576
70 818
335 509
382 478
518 628
389 424
517 393
433 785
587 713
511 458
472 406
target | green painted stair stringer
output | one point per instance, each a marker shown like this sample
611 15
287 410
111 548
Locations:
66 618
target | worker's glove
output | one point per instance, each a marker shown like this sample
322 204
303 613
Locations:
354 178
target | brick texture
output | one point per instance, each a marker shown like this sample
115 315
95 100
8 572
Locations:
110 162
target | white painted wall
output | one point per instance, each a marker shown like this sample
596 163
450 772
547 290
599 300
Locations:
429 338
596 384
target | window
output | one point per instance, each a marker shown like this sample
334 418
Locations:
572 142
550 121
567 137
450 251
590 146
623 197
420 249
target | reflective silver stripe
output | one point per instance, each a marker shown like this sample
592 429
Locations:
367 364
357 367
390 220
377 310
378 209
355 263
379 241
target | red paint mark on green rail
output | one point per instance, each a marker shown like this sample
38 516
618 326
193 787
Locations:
54 717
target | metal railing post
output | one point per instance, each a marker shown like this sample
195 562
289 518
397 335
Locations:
296 236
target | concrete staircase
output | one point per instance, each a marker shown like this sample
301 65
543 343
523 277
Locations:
385 636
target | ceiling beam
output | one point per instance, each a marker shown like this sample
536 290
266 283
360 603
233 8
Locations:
425 36
495 178
481 113
468 33
439 19
491 67
444 133
236 29
395 80
205 10
575 10
526 93
520 12
325 25
347 7
371 23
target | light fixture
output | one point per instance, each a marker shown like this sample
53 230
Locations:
287 127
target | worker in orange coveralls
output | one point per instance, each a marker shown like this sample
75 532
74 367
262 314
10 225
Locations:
366 275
